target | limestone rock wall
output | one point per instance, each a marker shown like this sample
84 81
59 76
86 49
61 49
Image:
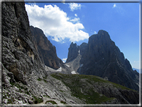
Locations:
19 55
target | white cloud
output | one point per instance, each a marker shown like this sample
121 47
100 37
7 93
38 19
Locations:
114 5
64 60
75 15
95 32
55 23
74 6
75 20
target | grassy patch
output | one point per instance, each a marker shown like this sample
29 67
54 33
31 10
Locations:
39 79
21 88
37 100
61 90
63 102
89 78
10 101
44 79
120 86
46 96
28 92
12 83
53 102
81 89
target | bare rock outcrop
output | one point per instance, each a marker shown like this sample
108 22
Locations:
47 51
73 52
19 55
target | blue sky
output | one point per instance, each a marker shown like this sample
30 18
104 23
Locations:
64 23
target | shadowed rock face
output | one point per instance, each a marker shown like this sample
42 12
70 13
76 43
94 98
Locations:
47 51
73 52
101 57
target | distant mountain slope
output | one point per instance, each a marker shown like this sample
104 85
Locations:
101 57
47 52
95 90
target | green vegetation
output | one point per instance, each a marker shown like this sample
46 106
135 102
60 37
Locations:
25 89
53 102
12 83
46 96
120 86
27 92
61 90
39 79
63 102
81 89
37 100
89 78
11 100
44 79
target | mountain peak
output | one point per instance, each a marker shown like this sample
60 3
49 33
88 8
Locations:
101 57
73 52
102 32
102 36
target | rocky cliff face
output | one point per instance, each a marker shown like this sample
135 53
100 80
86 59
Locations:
82 48
46 50
73 52
19 55
24 77
101 57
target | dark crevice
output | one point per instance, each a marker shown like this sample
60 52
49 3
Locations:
15 8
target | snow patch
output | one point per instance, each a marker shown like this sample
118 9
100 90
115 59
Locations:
49 69
79 52
60 69
73 72
67 65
